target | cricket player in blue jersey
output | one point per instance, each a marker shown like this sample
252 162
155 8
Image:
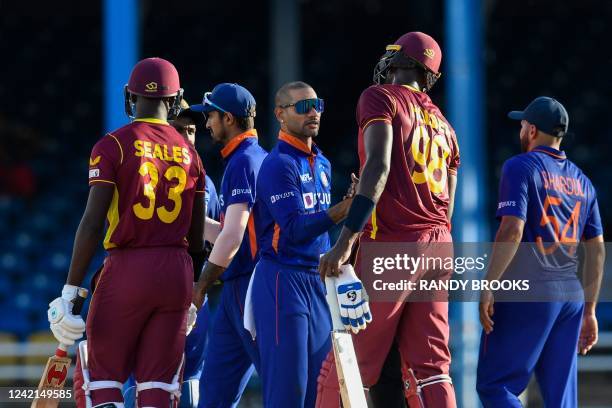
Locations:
231 354
291 316
547 201
186 123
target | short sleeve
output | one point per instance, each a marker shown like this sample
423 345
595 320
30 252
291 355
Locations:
375 104
241 179
593 227
278 187
513 190
106 156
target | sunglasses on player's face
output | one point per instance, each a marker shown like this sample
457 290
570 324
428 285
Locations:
305 105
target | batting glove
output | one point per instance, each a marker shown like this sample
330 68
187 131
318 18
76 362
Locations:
352 300
66 327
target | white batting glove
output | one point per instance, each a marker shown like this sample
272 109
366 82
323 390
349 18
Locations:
192 315
66 327
352 300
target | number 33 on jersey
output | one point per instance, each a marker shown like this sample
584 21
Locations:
156 174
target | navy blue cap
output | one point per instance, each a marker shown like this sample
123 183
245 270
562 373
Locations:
546 114
226 97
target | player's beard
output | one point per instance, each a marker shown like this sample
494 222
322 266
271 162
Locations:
524 145
308 132
219 137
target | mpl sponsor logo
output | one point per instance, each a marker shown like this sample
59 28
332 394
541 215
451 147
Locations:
277 197
306 178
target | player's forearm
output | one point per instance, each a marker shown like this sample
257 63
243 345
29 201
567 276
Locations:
305 227
595 254
195 235
86 241
211 230
339 211
452 187
225 248
373 179
506 244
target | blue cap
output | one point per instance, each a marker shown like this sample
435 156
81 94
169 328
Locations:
546 114
226 97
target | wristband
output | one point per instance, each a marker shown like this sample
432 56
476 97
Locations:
360 211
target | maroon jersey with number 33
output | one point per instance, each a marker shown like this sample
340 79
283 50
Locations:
156 174
424 152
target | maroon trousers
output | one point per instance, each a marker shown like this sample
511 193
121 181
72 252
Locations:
422 333
137 320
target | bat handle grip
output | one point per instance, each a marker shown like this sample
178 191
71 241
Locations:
79 300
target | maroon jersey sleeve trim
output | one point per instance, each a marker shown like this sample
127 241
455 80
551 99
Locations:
375 120
200 191
101 181
120 148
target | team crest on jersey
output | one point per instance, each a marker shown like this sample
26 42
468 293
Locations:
324 180
309 201
151 87
94 161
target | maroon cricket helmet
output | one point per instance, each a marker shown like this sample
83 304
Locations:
154 78
421 48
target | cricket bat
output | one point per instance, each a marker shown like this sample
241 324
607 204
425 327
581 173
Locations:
349 377
55 373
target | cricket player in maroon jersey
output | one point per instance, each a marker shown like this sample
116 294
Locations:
148 181
409 158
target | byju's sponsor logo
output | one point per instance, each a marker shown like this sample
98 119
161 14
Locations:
504 204
277 197
238 191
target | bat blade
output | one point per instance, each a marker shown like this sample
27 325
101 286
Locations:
349 377
56 371
53 378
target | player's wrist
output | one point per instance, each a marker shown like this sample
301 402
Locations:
359 213
589 309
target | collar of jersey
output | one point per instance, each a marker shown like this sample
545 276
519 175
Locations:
236 141
297 143
412 88
557 154
152 120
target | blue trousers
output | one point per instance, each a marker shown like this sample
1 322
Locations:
293 332
530 337
231 355
195 344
